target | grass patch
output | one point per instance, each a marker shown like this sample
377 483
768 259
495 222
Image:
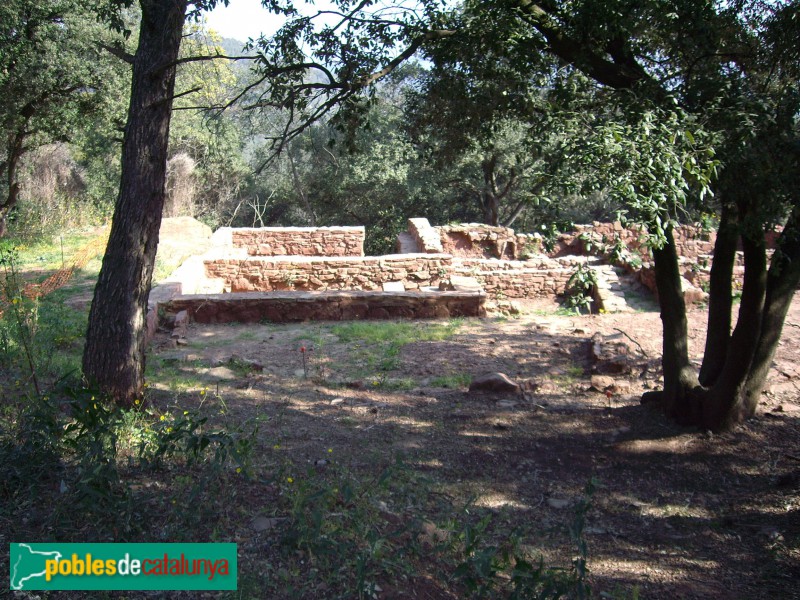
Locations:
452 381
396 333
375 346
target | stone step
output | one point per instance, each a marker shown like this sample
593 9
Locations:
285 307
611 290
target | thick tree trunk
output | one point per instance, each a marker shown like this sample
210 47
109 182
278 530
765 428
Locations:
720 301
115 341
489 200
679 375
722 405
782 281
15 151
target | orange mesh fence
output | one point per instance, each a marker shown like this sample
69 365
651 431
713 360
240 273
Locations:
60 278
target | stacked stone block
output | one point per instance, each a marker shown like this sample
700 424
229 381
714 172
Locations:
300 241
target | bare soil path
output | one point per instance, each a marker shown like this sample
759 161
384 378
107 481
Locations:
678 513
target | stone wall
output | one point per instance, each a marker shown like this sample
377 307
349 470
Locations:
425 236
300 241
691 242
284 307
537 278
264 274
478 241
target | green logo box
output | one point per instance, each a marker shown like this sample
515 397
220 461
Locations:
86 566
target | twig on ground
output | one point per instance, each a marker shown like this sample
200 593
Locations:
638 345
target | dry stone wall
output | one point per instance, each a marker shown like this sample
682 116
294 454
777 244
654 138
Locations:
537 278
300 241
279 307
321 273
426 237
691 242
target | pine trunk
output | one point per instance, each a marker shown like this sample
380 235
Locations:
114 356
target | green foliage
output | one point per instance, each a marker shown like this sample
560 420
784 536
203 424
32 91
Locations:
40 337
580 289
89 444
489 569
54 81
652 163
18 321
335 522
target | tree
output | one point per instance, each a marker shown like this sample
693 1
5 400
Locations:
212 140
729 58
54 77
114 353
689 64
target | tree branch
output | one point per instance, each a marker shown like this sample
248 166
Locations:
624 75
118 52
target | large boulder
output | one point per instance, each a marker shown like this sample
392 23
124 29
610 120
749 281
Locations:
494 382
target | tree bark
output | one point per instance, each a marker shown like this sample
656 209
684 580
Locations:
720 300
679 375
722 405
114 356
15 151
783 279
489 200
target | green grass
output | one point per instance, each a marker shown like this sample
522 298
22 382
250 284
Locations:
453 381
50 253
375 346
396 333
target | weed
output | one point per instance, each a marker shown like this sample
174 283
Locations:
490 569
580 288
453 381
335 524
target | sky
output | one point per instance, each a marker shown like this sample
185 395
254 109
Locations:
243 19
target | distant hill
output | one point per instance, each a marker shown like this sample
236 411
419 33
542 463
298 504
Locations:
232 46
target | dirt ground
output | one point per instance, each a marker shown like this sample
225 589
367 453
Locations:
678 513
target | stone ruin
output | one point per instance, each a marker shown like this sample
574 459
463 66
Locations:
283 274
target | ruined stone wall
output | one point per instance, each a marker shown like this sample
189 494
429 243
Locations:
328 273
329 306
300 241
475 240
537 278
691 242
426 237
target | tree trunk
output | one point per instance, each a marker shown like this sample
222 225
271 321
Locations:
113 358
489 199
679 375
720 300
782 281
15 151
723 405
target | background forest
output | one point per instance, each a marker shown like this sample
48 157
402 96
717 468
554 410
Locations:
447 142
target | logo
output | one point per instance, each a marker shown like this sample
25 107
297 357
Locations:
123 566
